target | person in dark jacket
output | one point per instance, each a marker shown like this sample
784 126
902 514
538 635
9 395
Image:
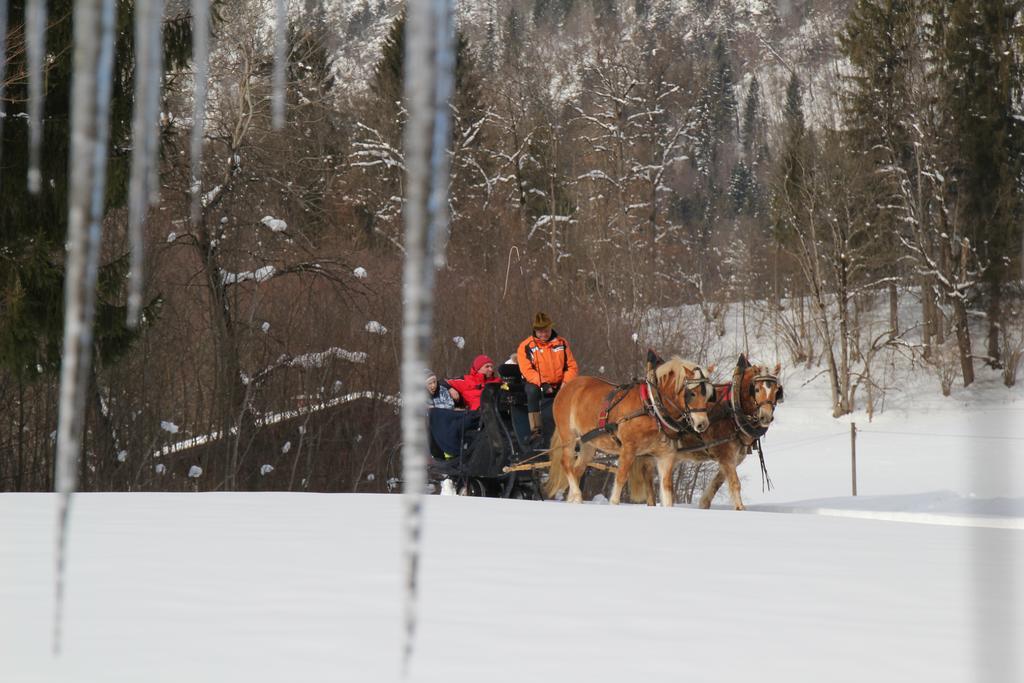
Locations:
546 363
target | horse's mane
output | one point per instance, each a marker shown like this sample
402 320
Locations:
681 368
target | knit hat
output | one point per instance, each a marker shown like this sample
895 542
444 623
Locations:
541 321
429 374
479 362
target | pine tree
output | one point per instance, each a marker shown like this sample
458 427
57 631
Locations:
513 35
388 81
606 13
387 75
723 88
33 227
551 12
717 107
880 40
793 161
884 108
752 127
982 82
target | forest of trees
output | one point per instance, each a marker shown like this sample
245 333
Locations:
610 161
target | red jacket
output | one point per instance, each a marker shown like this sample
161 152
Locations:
548 362
470 387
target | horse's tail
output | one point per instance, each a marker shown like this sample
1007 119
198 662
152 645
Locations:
558 480
638 486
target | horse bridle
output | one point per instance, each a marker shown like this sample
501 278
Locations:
745 422
770 379
685 419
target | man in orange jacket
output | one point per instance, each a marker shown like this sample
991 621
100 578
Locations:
546 364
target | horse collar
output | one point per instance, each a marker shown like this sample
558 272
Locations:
651 396
746 423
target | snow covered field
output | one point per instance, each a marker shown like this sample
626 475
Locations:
306 587
303 587
915 579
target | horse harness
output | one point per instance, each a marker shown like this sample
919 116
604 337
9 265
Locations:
653 405
748 424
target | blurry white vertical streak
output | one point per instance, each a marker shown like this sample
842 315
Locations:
280 60
154 74
425 219
35 49
142 189
90 119
201 60
3 71
437 210
418 84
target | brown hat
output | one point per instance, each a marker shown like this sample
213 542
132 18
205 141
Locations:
541 321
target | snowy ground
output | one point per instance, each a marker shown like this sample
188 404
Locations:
306 587
915 579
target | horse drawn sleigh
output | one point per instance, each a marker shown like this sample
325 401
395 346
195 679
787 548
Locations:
675 413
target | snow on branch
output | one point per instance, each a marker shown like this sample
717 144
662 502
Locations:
375 151
306 361
319 268
545 220
260 275
269 419
275 224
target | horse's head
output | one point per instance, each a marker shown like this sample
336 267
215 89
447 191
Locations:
689 388
764 391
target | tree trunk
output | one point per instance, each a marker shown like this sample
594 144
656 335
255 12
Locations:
995 320
927 316
963 340
821 322
963 332
228 371
894 319
845 398
107 446
19 476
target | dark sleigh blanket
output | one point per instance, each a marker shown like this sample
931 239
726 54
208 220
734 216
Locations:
449 427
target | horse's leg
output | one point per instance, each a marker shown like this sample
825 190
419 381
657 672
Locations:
641 482
626 456
665 466
569 466
712 488
586 456
648 475
733 479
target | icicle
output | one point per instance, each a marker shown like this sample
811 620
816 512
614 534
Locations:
154 74
143 187
427 90
35 48
90 120
444 37
3 71
280 60
201 58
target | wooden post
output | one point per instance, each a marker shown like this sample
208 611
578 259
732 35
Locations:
853 455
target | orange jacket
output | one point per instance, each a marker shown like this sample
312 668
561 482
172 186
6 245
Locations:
548 362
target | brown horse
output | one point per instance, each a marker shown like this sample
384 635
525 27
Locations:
742 416
642 418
